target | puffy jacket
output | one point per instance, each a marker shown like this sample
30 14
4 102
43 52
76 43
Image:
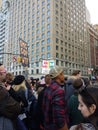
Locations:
9 107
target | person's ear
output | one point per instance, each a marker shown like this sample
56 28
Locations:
92 108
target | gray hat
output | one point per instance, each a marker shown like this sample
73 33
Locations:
54 72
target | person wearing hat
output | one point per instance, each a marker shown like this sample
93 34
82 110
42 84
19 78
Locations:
54 104
18 89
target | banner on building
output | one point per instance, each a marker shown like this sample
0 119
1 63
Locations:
24 53
46 66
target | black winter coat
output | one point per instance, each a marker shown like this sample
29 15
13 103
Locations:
9 107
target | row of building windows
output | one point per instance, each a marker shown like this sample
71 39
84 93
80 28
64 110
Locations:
42 49
43 56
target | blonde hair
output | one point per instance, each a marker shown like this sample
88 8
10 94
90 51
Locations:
20 86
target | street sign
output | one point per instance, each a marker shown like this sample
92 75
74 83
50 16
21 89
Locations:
24 53
47 65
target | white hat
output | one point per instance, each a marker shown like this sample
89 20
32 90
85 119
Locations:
54 72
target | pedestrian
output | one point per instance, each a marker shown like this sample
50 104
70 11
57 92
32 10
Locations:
54 104
75 115
9 108
88 105
39 109
69 84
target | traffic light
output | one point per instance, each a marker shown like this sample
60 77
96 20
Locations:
19 59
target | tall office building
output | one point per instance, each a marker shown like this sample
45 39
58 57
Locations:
2 34
4 31
53 29
88 17
0 3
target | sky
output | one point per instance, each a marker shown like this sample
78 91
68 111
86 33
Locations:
92 6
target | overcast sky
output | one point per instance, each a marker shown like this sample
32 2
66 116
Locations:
92 6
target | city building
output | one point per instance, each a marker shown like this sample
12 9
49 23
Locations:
55 31
0 3
95 27
93 40
4 22
88 17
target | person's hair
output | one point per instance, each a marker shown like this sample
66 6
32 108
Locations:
90 96
1 64
77 83
75 72
86 81
47 75
47 79
9 77
79 127
66 78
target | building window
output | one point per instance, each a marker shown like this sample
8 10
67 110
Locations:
48 48
32 59
43 3
37 64
32 52
62 56
57 40
37 57
48 19
37 19
33 28
48 40
57 62
61 49
43 22
48 12
62 63
32 71
43 9
38 7
43 36
57 48
43 56
37 51
37 37
37 13
32 40
48 33
32 33
48 26
48 6
33 16
37 44
37 32
57 55
37 71
48 55
43 16
37 25
43 49
43 29
43 42
48 0
32 46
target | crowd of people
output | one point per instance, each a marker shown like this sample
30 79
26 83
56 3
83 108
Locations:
52 102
